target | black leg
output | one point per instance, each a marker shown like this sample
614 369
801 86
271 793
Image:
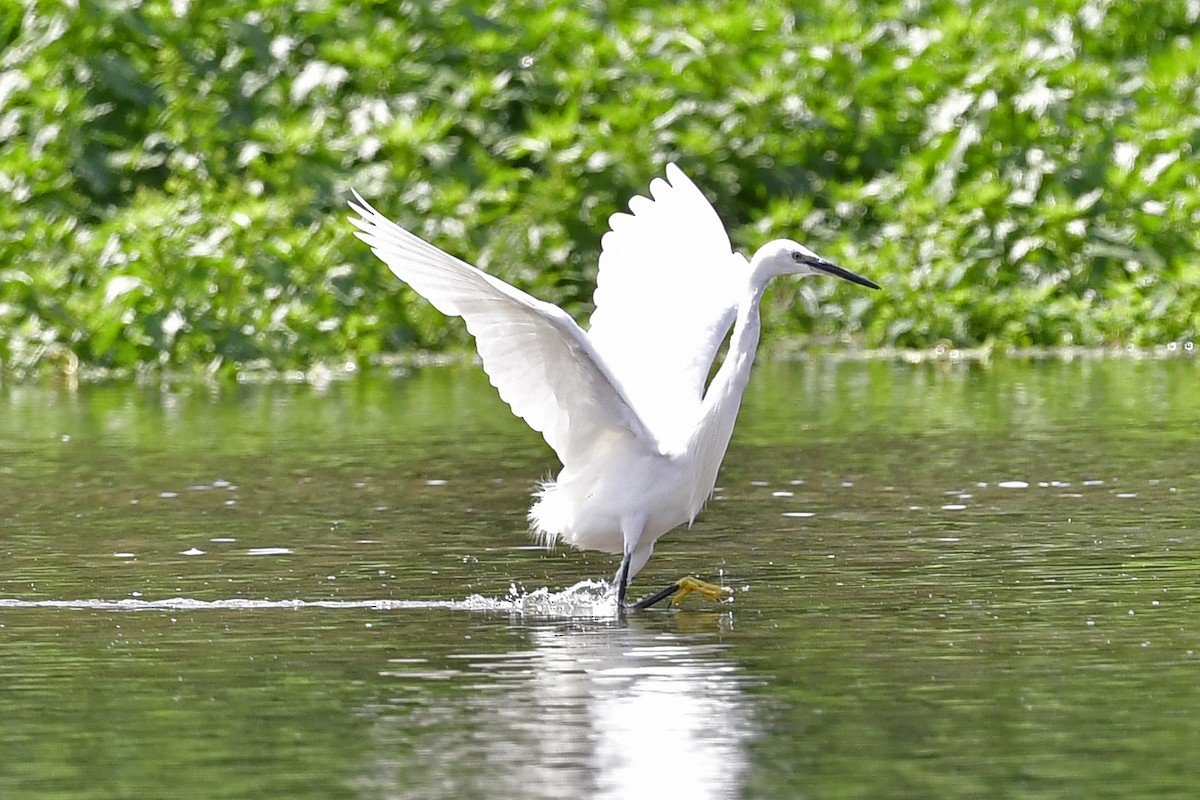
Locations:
623 581
657 597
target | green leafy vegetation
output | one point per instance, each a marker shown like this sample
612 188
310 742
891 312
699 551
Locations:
174 174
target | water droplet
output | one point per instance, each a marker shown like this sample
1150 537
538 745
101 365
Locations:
192 551
1013 484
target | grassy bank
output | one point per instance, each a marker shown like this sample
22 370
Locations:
174 174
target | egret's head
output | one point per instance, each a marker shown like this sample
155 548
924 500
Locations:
785 257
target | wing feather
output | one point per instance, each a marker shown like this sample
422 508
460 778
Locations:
665 298
538 358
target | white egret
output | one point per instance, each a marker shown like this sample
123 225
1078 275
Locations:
626 405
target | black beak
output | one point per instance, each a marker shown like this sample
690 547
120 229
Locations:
845 274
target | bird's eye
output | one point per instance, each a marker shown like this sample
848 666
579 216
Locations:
797 256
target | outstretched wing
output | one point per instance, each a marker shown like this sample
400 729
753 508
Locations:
535 354
665 297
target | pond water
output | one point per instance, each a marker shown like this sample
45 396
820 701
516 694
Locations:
950 581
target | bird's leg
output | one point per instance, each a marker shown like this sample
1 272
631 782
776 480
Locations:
657 597
623 581
682 589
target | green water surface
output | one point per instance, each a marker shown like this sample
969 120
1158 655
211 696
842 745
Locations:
950 581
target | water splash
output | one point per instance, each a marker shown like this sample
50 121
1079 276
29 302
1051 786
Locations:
588 598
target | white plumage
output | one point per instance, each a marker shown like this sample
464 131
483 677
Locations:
624 405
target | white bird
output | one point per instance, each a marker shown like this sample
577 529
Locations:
626 405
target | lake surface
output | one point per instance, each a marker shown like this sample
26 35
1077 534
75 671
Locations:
950 581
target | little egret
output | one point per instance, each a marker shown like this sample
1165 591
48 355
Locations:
626 405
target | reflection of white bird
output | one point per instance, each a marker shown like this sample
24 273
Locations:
597 711
624 405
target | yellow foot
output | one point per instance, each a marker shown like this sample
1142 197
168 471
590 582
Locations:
687 585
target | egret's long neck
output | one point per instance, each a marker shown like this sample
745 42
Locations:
724 396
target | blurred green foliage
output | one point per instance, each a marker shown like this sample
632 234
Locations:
174 174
